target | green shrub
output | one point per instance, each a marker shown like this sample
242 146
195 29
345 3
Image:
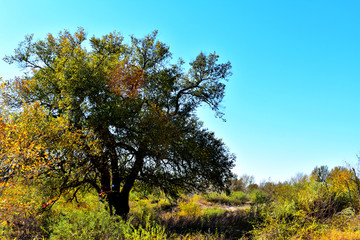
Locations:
286 211
213 212
141 210
319 202
98 224
81 224
234 199
260 197
240 196
309 211
190 208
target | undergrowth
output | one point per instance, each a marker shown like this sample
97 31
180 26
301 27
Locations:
306 209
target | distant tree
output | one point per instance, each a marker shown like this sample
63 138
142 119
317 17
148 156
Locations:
242 182
125 114
252 187
339 178
300 178
320 174
268 187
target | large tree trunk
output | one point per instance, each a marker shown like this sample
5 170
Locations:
120 200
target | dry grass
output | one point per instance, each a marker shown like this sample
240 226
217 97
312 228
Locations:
336 234
232 225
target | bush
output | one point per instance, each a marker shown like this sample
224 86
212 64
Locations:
309 211
234 199
321 203
212 212
19 208
148 205
98 224
260 197
240 196
190 208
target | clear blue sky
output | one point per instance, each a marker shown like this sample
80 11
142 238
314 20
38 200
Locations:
293 101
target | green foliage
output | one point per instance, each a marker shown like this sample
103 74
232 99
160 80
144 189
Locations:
190 208
242 183
148 206
142 210
320 174
259 197
201 236
305 209
111 112
234 199
212 212
80 224
87 219
97 224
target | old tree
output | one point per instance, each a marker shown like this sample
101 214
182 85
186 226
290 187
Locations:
111 116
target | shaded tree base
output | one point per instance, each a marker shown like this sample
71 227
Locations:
120 203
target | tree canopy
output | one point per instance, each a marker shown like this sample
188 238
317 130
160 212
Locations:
111 115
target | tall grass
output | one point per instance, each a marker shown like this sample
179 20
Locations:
301 210
234 199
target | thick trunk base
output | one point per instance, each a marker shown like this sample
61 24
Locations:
120 202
